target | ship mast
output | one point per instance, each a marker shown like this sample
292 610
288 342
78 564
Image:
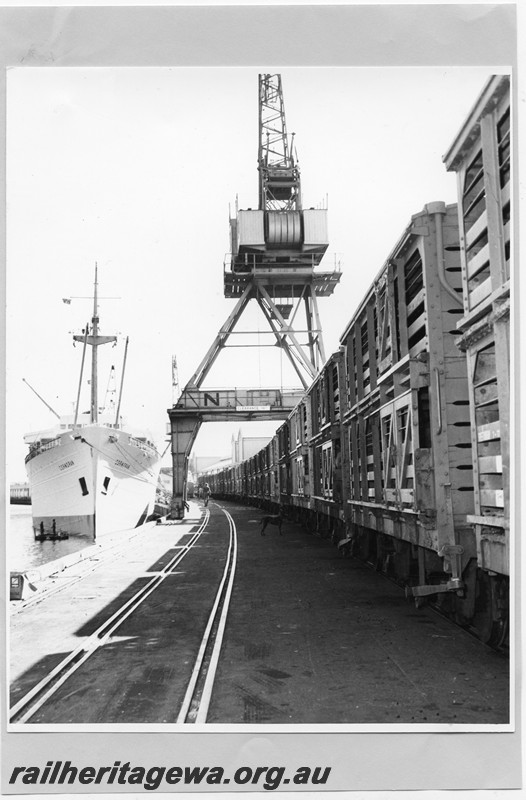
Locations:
94 356
95 341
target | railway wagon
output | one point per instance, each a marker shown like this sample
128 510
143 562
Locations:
315 451
400 448
378 454
299 426
273 500
480 157
406 439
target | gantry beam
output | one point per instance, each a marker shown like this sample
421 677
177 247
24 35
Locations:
196 406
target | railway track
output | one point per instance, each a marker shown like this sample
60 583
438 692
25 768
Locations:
273 629
198 694
85 566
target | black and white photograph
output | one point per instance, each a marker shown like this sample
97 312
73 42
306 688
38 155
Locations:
260 433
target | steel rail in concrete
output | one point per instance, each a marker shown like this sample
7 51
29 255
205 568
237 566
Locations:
199 692
28 705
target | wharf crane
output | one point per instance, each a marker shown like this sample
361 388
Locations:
274 252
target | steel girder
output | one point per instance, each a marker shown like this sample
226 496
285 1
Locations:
196 406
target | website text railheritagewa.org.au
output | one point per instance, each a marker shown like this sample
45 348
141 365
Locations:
59 773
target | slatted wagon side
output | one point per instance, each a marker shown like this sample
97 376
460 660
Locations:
481 157
408 485
325 448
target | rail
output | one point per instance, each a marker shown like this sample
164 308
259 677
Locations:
198 695
196 702
43 691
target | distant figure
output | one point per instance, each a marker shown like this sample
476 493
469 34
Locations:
206 493
54 527
41 527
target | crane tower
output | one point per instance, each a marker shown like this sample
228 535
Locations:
279 177
275 250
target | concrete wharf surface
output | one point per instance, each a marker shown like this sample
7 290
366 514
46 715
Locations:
311 637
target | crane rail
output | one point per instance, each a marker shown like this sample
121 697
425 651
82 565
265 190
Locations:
87 565
199 692
33 700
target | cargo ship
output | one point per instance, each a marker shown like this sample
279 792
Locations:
91 475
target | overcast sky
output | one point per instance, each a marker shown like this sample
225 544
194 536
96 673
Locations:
135 169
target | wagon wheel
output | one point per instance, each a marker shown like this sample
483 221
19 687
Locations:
310 523
490 625
324 528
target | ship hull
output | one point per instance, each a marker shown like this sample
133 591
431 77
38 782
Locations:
92 481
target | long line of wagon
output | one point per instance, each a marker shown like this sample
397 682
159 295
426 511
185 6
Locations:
400 449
